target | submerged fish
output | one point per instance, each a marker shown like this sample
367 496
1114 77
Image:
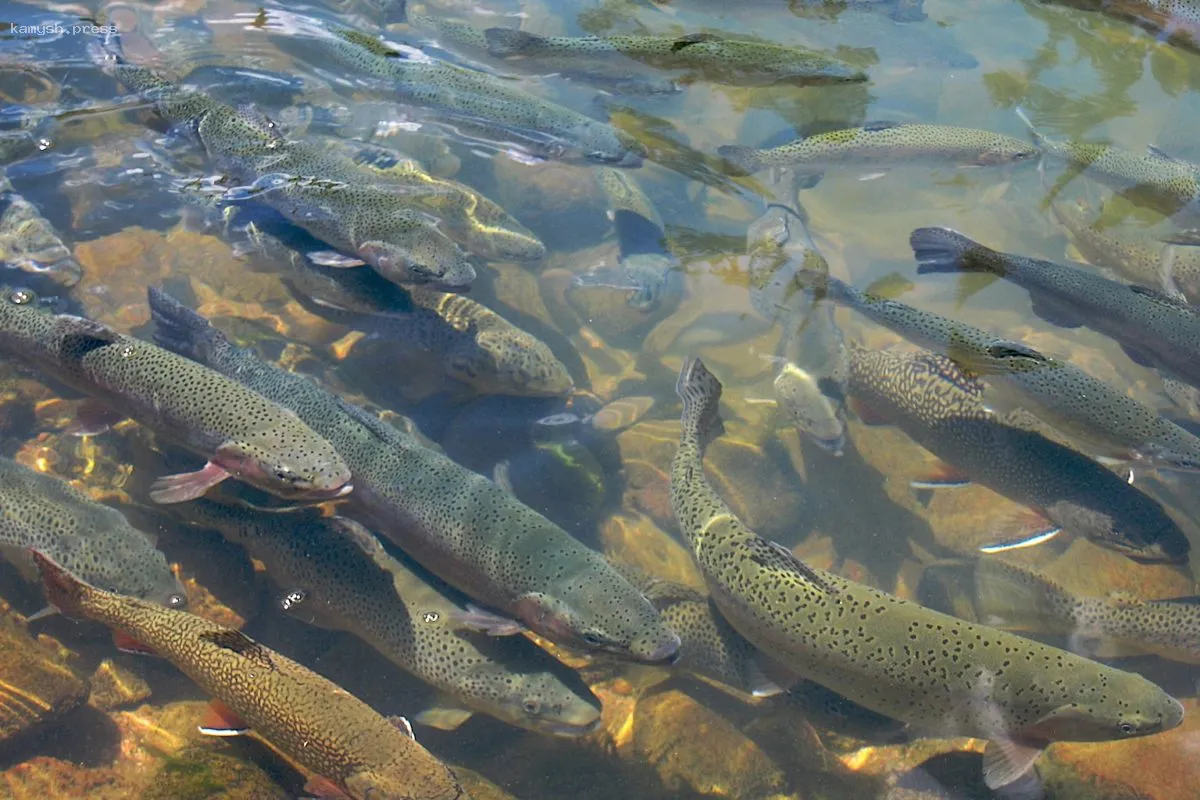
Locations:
454 522
92 539
240 432
942 408
884 145
708 56
1103 421
1152 328
350 583
1018 599
29 243
307 717
941 675
1177 21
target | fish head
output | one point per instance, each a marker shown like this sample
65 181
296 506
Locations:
1126 523
602 144
816 414
424 257
510 361
507 244
546 699
1137 708
315 472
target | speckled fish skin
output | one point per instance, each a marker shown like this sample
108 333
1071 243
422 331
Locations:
342 204
251 437
942 409
1153 329
710 57
1140 258
1100 419
454 522
307 717
93 540
885 144
1019 599
1176 20
29 243
469 98
349 582
894 657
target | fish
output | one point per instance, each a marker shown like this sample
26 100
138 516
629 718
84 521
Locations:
941 675
350 583
363 217
29 243
1153 329
1101 420
467 100
307 717
708 56
1176 21
942 407
454 522
93 540
1139 257
779 247
1019 599
884 145
241 433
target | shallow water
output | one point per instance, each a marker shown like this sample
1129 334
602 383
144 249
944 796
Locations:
124 193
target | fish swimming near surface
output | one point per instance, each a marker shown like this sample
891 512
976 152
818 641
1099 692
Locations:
310 719
882 145
29 243
240 432
941 407
1154 329
707 56
347 581
1018 599
454 522
941 675
1176 21
93 540
1101 420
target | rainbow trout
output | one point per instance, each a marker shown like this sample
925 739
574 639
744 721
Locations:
1018 599
366 219
307 717
941 675
29 243
454 522
93 540
1103 421
884 145
347 581
942 408
469 101
706 56
1176 21
240 432
1153 329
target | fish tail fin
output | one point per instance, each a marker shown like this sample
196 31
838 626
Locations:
182 330
503 42
946 250
700 392
743 160
64 591
1009 596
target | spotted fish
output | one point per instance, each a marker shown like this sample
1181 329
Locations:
942 409
706 56
93 540
941 675
29 243
348 582
1103 421
454 522
240 432
884 145
1154 329
307 717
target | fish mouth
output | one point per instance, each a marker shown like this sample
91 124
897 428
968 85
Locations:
665 653
324 494
568 730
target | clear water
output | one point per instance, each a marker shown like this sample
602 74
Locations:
104 187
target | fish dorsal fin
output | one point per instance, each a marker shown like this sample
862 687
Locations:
882 124
85 335
691 39
369 43
1154 151
241 644
1005 761
1162 297
1003 348
774 554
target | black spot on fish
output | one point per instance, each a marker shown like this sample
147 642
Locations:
241 644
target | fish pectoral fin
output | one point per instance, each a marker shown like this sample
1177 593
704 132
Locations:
321 788
48 611
187 485
220 720
941 476
93 418
474 618
334 259
1137 355
1006 761
758 682
1055 313
866 413
444 718
402 724
1022 529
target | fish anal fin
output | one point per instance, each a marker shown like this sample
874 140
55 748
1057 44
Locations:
220 720
1006 761
941 476
1055 313
127 644
1021 529
187 485
444 718
324 789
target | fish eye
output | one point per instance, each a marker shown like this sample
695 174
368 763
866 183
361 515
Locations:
176 600
532 707
1126 728
21 297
